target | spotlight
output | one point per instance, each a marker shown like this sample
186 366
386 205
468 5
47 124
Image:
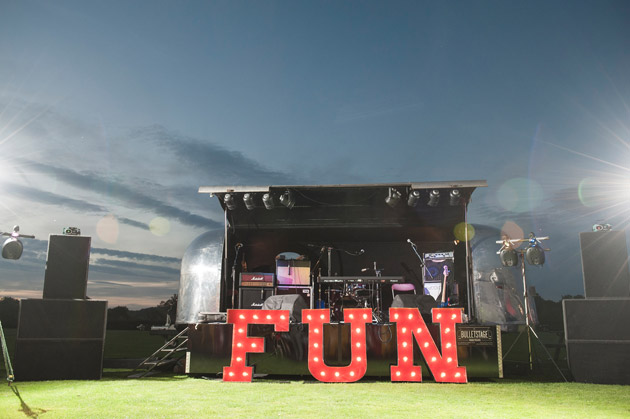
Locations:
287 199
229 201
434 198
509 257
248 200
455 197
268 201
393 198
535 255
12 247
414 196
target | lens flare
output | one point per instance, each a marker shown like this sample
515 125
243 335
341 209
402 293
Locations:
107 229
513 231
463 231
520 195
160 226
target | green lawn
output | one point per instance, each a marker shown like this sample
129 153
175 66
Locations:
173 396
181 396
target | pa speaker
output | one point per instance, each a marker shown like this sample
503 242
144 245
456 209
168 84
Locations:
252 297
605 264
597 336
60 339
67 267
62 319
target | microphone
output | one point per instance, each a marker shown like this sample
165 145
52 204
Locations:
411 243
362 251
239 245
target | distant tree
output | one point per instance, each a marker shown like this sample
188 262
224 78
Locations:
170 309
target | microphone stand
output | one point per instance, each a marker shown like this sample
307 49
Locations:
422 264
238 249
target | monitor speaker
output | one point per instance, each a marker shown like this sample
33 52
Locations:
67 267
605 264
295 303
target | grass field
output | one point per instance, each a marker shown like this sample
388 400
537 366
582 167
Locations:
183 397
175 396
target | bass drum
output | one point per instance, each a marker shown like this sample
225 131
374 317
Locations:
339 301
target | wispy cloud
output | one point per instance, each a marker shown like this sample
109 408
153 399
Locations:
121 266
135 256
44 197
124 194
210 160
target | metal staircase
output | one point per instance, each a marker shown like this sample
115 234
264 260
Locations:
169 353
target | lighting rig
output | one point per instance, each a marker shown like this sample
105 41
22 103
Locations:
251 200
534 254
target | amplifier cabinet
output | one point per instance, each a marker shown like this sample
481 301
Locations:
293 272
252 297
257 279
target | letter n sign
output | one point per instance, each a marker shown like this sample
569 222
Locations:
444 367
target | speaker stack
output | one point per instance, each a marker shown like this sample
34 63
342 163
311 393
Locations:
597 328
62 336
254 289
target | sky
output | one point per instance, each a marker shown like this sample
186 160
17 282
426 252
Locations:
113 113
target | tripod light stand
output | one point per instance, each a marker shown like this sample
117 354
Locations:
535 255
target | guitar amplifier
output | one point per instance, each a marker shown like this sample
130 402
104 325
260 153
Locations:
257 279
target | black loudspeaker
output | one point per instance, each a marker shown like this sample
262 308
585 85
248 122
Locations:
605 264
67 267
295 303
597 335
422 302
60 339
253 297
304 292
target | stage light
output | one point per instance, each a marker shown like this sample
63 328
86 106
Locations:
414 197
508 257
229 201
268 201
535 255
248 200
393 198
454 197
434 198
12 247
287 199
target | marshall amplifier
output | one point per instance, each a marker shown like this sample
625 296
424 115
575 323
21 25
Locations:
253 297
257 279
